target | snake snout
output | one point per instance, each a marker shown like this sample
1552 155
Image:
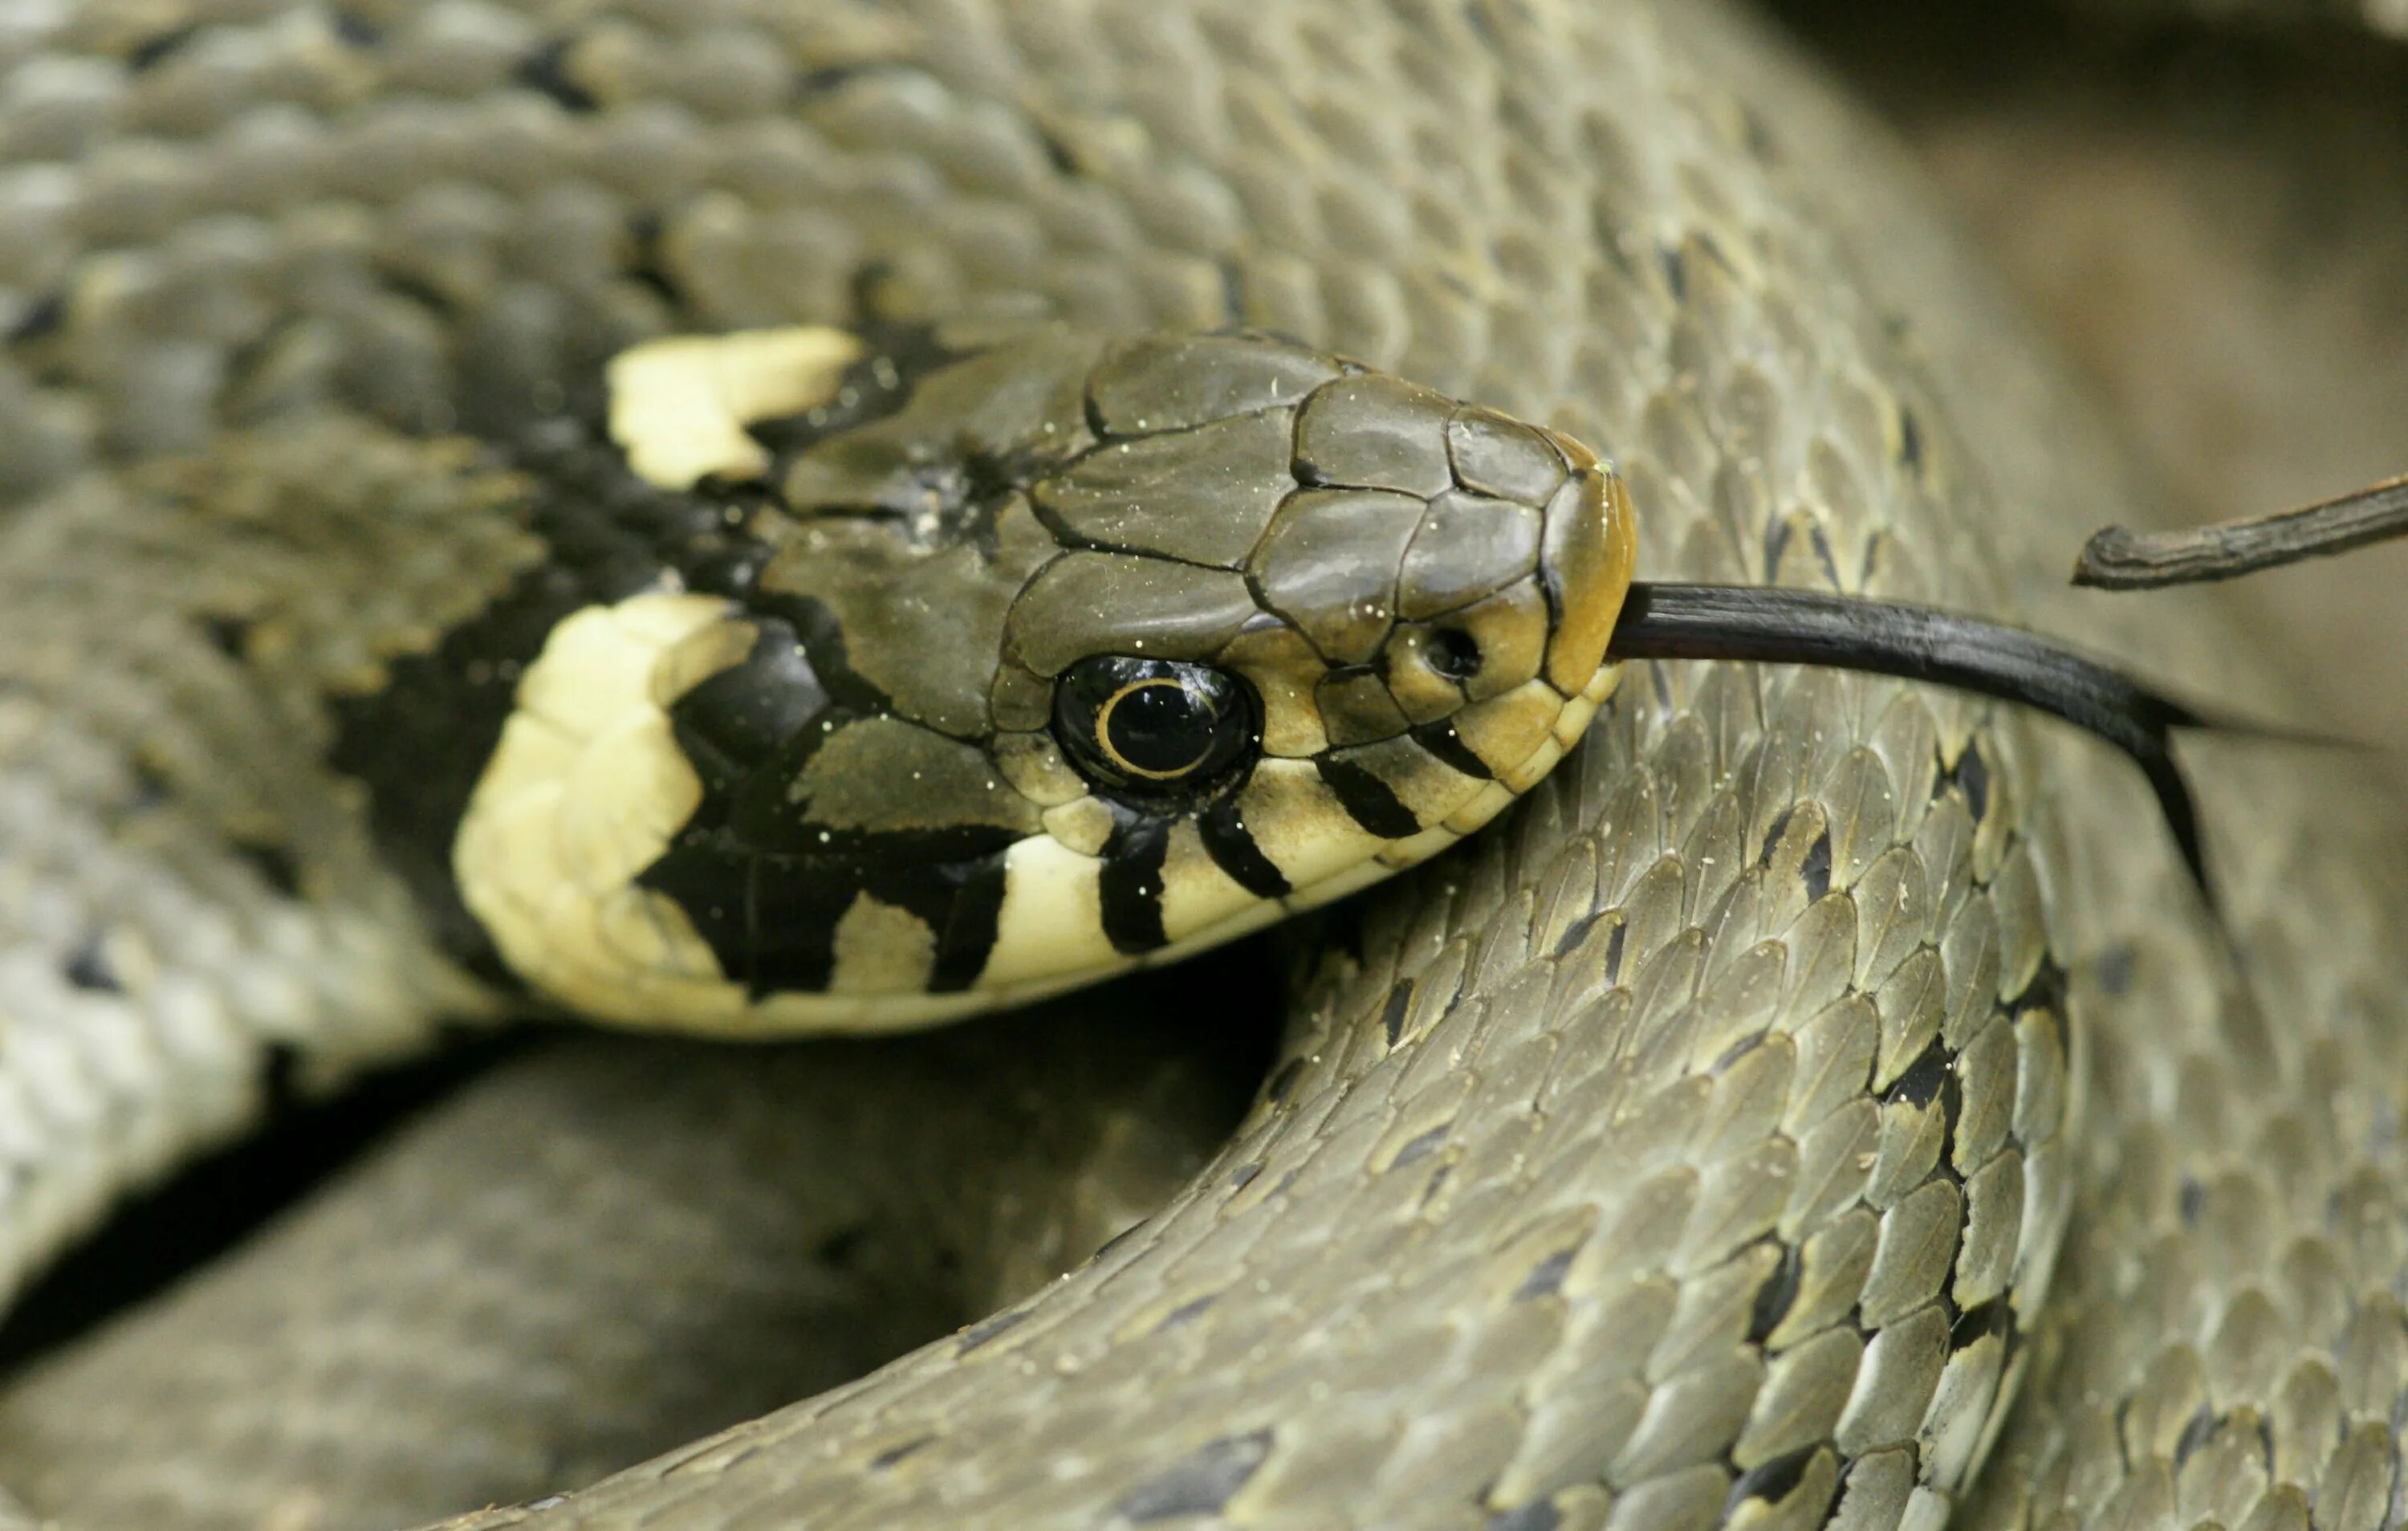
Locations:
1507 595
1586 553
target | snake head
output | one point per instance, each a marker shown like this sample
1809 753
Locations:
1038 659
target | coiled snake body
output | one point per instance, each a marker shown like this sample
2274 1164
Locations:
1810 1080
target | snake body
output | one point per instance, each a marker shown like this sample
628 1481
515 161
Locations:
1816 1087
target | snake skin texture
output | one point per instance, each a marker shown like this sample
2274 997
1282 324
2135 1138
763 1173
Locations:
1812 1080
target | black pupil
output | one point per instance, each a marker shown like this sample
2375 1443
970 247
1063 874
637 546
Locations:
1160 726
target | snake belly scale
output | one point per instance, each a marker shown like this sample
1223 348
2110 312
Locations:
1696 1145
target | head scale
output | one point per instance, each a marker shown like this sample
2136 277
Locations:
1030 662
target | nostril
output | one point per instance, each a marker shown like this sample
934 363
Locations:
1452 653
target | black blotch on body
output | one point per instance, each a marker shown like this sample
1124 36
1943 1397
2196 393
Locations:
228 635
1816 869
1057 153
647 261
1186 1313
1972 773
1909 440
2196 1433
1368 801
1676 274
1538 1515
159 47
1920 1084
1932 1079
2115 967
893 1454
546 71
417 290
1546 1278
1233 291
42 317
1755 136
150 788
1419 1146
1776 542
1927 1081
88 967
1660 684
2047 990
836 77
274 863
1202 1483
1736 1051
1391 1015
1770 1481
1614 951
1576 932
1772 837
1774 1298
1995 1317
1820 540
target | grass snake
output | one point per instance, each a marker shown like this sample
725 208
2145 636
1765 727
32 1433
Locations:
1814 1086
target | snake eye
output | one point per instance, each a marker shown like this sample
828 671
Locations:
1153 725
